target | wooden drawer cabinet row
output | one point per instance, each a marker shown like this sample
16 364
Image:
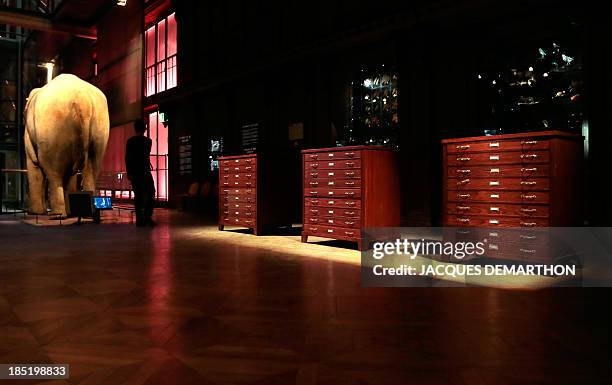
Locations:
347 189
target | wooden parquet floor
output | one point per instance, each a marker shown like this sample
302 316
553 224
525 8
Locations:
185 304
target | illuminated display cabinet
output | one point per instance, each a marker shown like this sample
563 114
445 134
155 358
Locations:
347 189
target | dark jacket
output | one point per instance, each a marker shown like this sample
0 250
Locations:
137 155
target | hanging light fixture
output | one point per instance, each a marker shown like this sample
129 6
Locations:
122 3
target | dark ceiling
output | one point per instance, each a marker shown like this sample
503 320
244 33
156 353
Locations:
82 13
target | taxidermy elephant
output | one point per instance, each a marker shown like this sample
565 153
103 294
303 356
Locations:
67 127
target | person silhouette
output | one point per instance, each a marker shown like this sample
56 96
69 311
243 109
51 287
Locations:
138 167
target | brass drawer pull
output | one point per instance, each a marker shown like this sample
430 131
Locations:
349 223
314 228
350 154
248 168
314 202
463 220
314 156
350 213
314 165
313 192
529 142
528 237
350 203
528 183
527 251
465 181
349 183
314 174
464 147
249 184
349 233
350 173
464 208
532 169
350 164
528 224
314 211
249 160
314 183
529 197
315 220
529 156
528 210
349 193
464 171
463 159
225 176
331 155
463 195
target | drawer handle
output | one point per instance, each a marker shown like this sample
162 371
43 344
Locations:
349 223
350 203
349 193
463 208
529 156
350 164
314 156
249 184
314 165
248 168
528 237
314 211
314 202
314 183
465 181
528 210
494 145
463 159
463 195
248 160
528 183
528 224
226 183
315 220
529 142
248 214
464 171
331 155
349 233
529 197
463 147
527 251
314 228
350 173
531 169
350 154
225 176
349 183
350 213
463 220
314 174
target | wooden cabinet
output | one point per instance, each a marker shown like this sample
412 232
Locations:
528 180
347 189
256 192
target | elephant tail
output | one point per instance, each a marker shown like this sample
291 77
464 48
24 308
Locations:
30 130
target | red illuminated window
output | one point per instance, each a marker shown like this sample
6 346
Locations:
160 56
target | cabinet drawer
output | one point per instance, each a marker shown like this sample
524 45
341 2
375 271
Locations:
535 184
497 145
333 203
238 222
526 197
331 174
243 179
333 165
488 221
237 191
238 206
325 182
502 171
332 155
232 168
333 221
494 158
234 213
238 199
505 209
325 192
332 232
330 212
238 162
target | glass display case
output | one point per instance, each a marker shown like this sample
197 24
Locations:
372 110
538 87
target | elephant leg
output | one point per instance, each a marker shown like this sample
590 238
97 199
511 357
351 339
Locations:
71 184
36 184
90 173
56 196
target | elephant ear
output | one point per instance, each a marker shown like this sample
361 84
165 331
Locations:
31 97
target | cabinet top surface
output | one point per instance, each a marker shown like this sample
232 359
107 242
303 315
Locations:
536 134
237 156
347 148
